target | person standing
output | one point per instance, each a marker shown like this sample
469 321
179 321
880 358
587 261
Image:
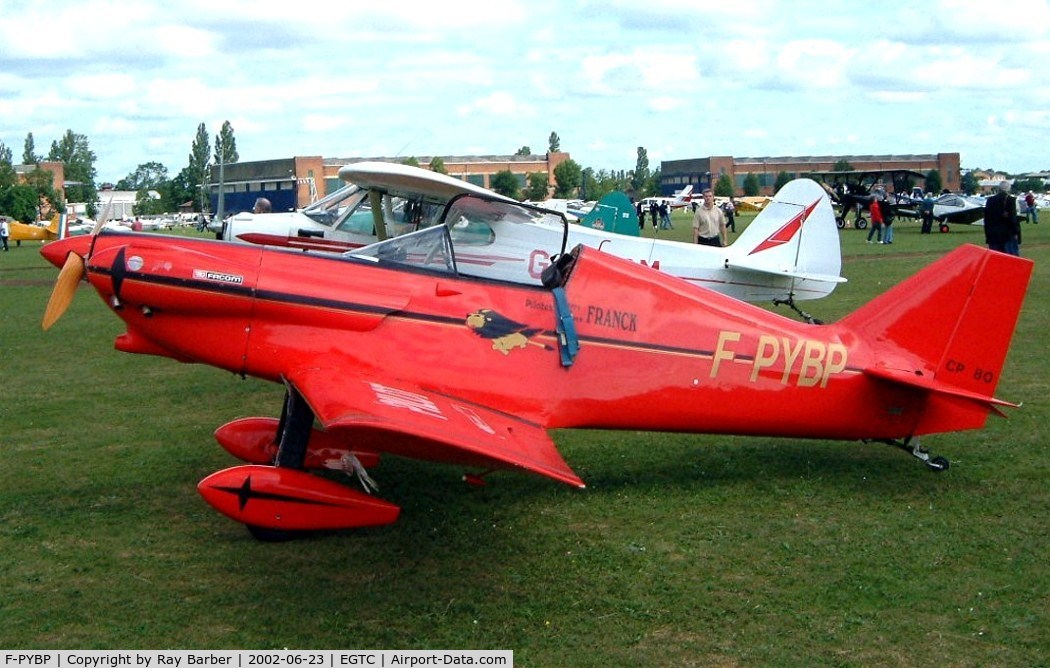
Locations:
876 221
1031 212
665 216
1002 231
730 210
4 232
927 213
709 223
886 213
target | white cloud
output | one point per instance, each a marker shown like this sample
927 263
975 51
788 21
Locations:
499 103
752 77
813 63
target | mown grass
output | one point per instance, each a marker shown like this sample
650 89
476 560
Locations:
683 550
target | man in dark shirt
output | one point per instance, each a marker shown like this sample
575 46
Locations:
1002 231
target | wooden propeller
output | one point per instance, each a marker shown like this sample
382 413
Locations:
65 288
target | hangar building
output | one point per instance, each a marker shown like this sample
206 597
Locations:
293 183
704 172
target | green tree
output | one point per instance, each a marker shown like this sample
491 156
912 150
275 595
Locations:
78 159
29 156
554 143
191 183
148 205
524 150
437 165
751 187
652 185
148 175
7 169
933 181
181 192
610 181
506 183
566 178
724 186
782 180
640 178
20 202
1034 184
410 161
43 183
842 166
588 184
537 189
968 183
226 145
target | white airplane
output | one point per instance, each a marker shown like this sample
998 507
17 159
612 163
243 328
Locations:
789 252
683 197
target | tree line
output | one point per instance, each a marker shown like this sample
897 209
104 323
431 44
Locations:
35 196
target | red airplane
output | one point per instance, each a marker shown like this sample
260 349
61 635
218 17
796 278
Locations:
395 348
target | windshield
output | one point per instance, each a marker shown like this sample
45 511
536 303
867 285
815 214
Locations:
481 237
429 249
401 214
328 209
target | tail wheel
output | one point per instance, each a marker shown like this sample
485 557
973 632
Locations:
938 463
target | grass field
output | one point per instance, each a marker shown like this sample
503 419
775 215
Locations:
683 550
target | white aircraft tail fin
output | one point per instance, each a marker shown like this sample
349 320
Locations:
794 235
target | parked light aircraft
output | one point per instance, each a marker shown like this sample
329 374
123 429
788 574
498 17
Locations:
19 232
790 252
853 190
402 348
947 208
683 197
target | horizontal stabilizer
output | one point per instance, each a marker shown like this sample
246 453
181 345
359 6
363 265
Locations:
929 384
788 270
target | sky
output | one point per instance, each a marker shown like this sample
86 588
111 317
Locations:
683 79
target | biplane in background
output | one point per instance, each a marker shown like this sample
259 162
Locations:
852 192
402 348
790 251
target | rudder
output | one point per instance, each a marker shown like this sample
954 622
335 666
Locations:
952 323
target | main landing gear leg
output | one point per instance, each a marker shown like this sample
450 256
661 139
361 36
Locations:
912 446
293 432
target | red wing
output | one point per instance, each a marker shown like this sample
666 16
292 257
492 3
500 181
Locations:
402 418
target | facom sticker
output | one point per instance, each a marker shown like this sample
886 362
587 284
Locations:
221 277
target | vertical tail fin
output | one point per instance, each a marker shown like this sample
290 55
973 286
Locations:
947 330
795 235
613 213
57 228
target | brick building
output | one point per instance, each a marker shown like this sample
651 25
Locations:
704 172
293 183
